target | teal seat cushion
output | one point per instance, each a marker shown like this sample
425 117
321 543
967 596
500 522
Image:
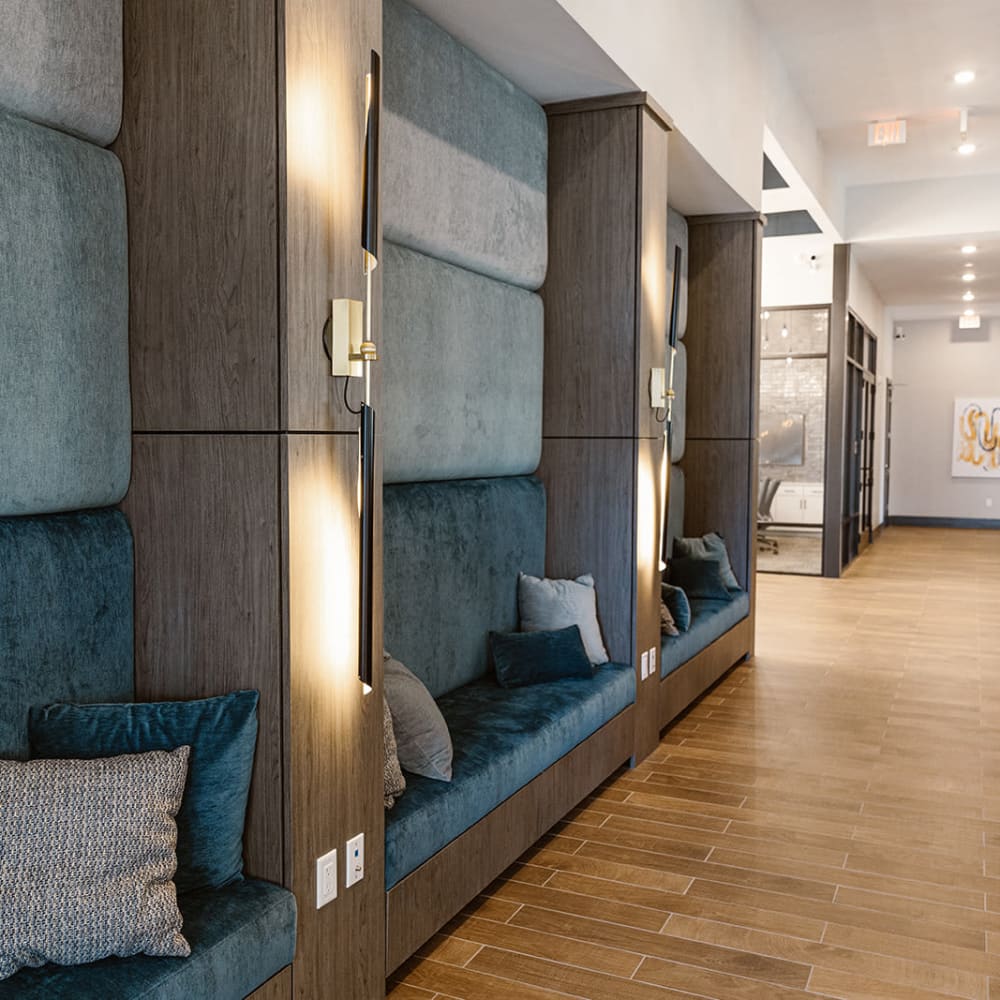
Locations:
503 738
240 936
709 620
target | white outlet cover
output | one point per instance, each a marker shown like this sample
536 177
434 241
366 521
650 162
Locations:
644 671
326 879
355 861
652 661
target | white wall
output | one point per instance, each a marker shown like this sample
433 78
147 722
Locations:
931 367
786 277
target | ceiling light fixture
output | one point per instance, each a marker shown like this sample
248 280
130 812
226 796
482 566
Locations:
968 276
970 312
964 77
784 331
966 148
969 249
968 297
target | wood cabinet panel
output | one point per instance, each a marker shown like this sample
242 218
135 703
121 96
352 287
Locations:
205 516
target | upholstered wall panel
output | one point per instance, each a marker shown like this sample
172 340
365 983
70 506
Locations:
675 512
679 437
65 615
451 559
465 155
677 236
64 397
462 372
61 64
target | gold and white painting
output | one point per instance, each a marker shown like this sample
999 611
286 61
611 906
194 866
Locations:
976 442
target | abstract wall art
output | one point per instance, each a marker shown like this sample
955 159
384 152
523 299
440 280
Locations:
976 441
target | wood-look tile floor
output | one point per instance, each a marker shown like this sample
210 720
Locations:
825 822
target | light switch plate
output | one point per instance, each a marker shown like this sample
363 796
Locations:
652 661
644 670
326 879
355 865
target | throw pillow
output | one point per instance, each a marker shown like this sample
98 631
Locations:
667 624
222 734
393 782
422 737
549 605
710 546
700 578
677 603
87 859
522 658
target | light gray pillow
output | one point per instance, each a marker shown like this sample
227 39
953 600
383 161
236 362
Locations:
548 605
422 738
87 855
393 782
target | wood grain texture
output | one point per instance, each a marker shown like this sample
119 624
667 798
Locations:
836 413
652 292
324 58
631 99
718 487
591 489
205 516
335 729
721 329
435 892
823 823
278 987
198 145
590 288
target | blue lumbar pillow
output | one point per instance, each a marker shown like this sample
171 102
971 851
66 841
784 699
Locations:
522 658
679 606
222 734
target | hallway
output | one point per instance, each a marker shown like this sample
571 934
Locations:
825 822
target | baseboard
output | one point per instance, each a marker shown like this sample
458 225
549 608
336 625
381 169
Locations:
977 523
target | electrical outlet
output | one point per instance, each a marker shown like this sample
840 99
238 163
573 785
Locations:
644 669
652 661
326 879
355 860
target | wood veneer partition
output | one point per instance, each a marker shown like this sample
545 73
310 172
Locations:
605 328
241 144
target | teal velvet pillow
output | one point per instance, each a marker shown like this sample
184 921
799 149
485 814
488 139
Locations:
222 734
700 578
710 546
522 658
678 605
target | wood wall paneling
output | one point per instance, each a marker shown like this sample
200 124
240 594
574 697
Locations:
590 485
198 145
205 515
717 494
589 292
336 730
278 987
836 412
720 337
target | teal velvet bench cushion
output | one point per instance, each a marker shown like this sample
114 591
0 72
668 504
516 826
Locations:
709 621
453 551
66 635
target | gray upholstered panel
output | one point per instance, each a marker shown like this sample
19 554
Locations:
65 615
675 512
678 438
465 155
452 555
462 372
64 397
677 235
61 64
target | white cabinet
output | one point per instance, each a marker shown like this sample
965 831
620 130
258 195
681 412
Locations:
798 503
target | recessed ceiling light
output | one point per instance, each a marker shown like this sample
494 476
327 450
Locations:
967 148
969 249
964 76
784 331
969 297
968 276
970 312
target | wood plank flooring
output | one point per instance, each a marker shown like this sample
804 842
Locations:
825 823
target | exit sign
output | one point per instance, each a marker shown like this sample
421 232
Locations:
887 133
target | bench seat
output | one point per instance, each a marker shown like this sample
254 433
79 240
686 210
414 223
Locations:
709 620
503 738
240 936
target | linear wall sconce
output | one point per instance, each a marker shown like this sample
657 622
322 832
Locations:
668 427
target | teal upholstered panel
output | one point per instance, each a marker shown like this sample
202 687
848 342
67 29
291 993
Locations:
461 373
61 64
503 738
465 155
65 615
677 235
675 511
64 397
452 553
678 438
709 621
240 936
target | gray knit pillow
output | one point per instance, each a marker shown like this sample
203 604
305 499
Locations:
87 854
394 784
